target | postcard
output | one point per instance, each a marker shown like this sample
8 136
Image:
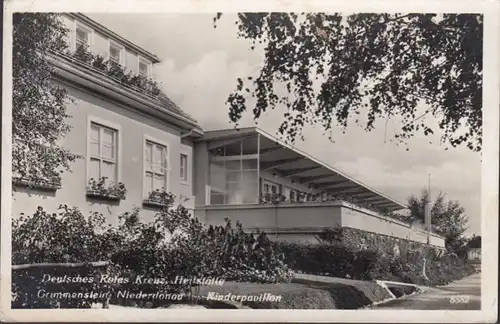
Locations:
250 161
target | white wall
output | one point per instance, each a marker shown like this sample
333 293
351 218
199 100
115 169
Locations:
133 128
302 221
363 219
267 217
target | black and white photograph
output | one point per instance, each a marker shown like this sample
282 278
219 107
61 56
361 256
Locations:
229 162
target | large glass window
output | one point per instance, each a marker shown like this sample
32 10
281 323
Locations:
234 175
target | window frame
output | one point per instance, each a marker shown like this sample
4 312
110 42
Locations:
220 156
90 32
122 52
168 169
271 184
184 180
148 64
294 192
118 150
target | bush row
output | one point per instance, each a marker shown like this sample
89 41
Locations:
174 244
404 264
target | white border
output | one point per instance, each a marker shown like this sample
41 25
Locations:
490 165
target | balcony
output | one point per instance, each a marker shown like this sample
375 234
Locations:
305 221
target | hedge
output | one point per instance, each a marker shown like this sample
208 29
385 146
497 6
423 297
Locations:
174 244
404 264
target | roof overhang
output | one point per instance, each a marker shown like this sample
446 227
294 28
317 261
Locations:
290 162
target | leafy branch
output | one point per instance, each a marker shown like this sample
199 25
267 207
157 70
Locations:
324 62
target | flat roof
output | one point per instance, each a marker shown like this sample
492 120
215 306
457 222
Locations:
344 184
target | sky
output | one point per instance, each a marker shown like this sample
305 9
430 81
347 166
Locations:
200 66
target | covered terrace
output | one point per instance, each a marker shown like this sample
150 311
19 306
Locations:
248 175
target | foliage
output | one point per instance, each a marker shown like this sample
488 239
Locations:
334 67
51 180
193 250
115 71
322 259
272 198
38 105
339 260
448 218
174 244
110 190
65 237
161 197
331 235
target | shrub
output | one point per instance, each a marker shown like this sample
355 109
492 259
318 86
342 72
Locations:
387 260
323 259
174 244
189 249
65 237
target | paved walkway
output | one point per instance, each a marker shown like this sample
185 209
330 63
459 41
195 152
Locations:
464 294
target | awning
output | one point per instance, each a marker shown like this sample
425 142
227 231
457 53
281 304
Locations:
289 162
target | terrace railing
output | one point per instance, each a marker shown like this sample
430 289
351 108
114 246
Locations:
277 199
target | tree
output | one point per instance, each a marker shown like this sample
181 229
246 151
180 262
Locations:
447 217
384 64
38 104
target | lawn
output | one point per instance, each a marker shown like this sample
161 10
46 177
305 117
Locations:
310 293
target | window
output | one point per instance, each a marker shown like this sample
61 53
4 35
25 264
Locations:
82 38
184 168
115 53
155 167
143 68
233 173
103 153
270 188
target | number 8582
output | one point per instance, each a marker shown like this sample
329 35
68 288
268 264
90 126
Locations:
459 299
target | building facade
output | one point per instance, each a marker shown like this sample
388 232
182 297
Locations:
474 254
121 130
129 133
